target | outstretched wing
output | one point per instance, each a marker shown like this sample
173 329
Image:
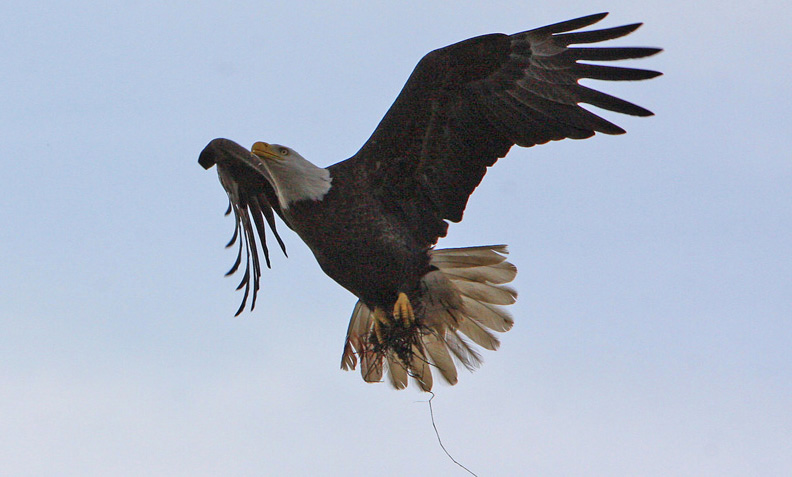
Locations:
253 201
465 105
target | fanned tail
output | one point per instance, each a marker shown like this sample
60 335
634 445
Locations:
461 302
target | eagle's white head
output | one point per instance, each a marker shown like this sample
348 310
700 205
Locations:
293 177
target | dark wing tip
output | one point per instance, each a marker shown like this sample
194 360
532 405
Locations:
207 158
569 25
613 73
595 36
209 155
612 53
650 51
577 23
241 306
649 74
218 151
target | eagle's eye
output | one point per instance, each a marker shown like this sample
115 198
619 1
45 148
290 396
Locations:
283 151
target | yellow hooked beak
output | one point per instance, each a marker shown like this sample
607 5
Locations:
265 151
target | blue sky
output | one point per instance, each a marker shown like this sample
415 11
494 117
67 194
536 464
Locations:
653 325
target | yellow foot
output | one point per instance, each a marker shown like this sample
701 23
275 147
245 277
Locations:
403 310
380 320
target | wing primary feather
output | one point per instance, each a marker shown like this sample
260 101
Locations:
244 299
613 73
247 217
252 256
609 53
245 282
595 36
255 211
270 217
562 120
245 277
254 204
582 122
236 264
462 351
569 25
238 261
256 263
236 232
612 103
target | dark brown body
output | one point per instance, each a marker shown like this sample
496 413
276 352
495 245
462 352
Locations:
373 266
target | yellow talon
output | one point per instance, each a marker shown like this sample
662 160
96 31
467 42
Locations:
403 310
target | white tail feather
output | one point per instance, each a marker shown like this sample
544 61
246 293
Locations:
419 368
359 324
464 295
486 293
370 364
493 317
496 274
478 334
396 371
485 255
438 353
463 352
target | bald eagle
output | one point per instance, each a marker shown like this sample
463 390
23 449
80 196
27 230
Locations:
372 220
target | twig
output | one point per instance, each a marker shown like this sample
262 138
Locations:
431 413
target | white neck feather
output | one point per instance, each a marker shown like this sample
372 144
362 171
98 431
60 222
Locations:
297 179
